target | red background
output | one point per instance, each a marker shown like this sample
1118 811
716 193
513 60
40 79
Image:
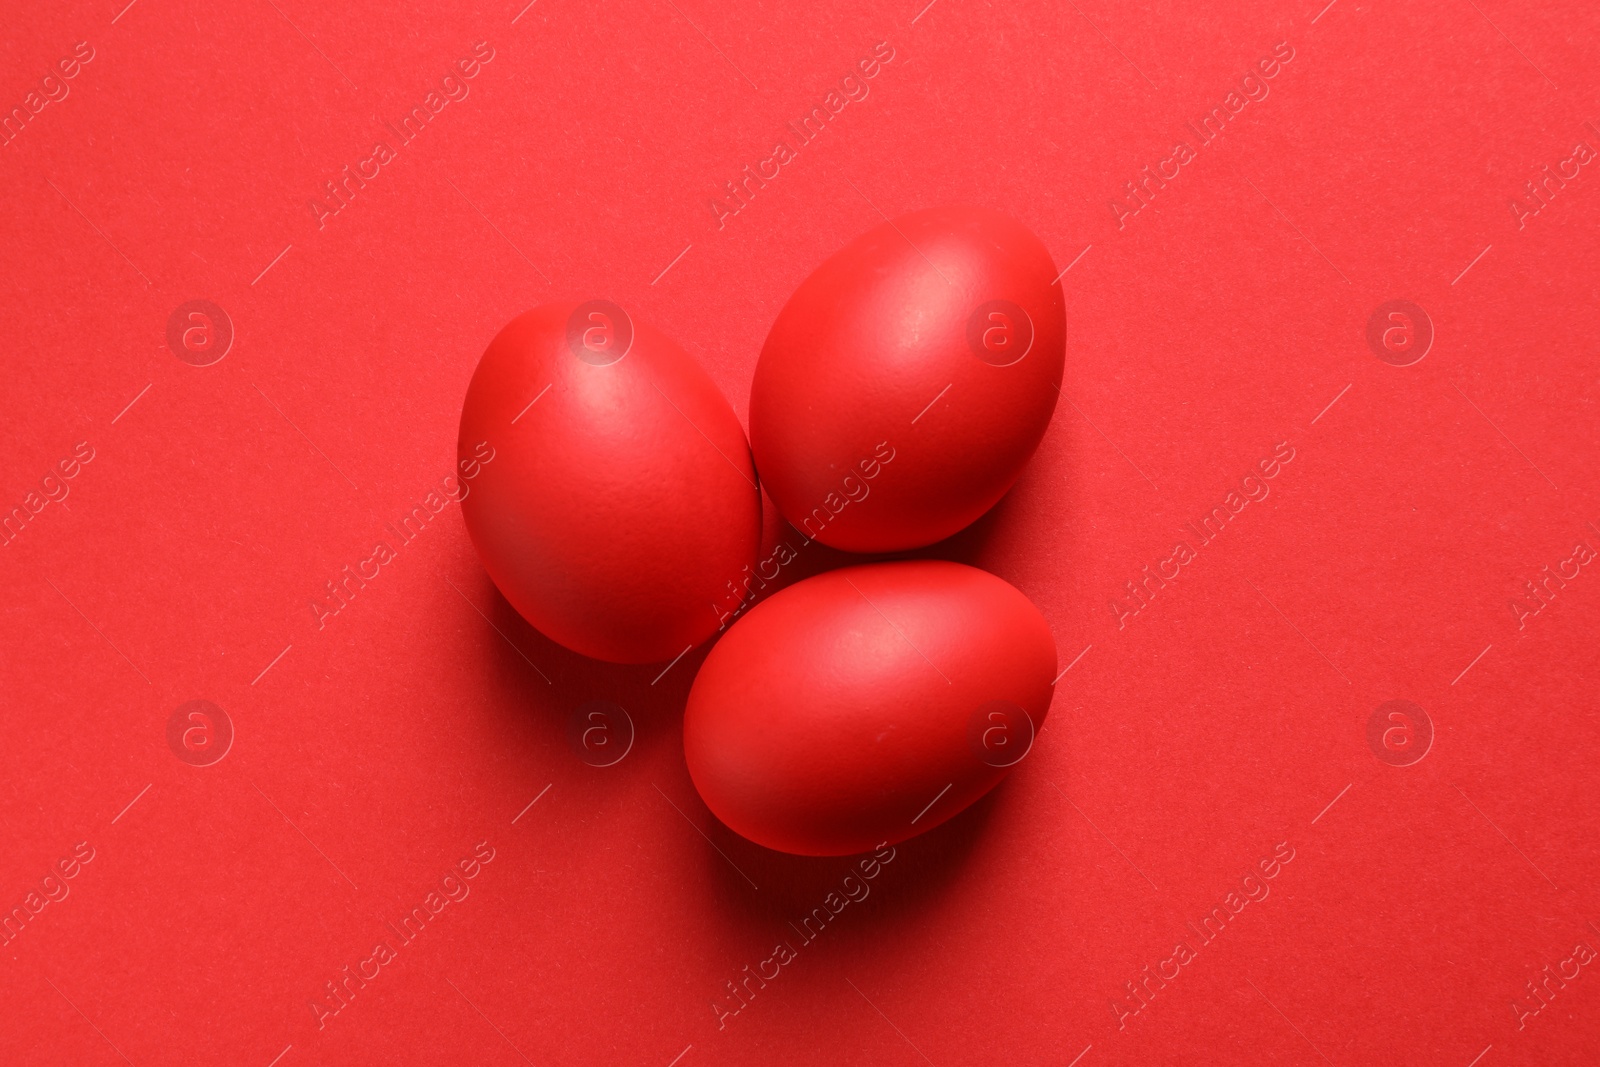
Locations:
1182 747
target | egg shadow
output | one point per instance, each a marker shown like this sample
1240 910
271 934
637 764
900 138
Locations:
542 694
974 545
761 890
765 894
971 546
757 890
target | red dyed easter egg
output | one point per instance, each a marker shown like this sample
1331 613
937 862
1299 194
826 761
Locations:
935 340
621 499
868 704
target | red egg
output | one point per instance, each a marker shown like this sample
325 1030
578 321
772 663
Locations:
621 499
909 378
868 704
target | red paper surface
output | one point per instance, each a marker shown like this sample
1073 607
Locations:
374 748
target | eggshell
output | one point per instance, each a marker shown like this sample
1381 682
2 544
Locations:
621 498
938 339
868 704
